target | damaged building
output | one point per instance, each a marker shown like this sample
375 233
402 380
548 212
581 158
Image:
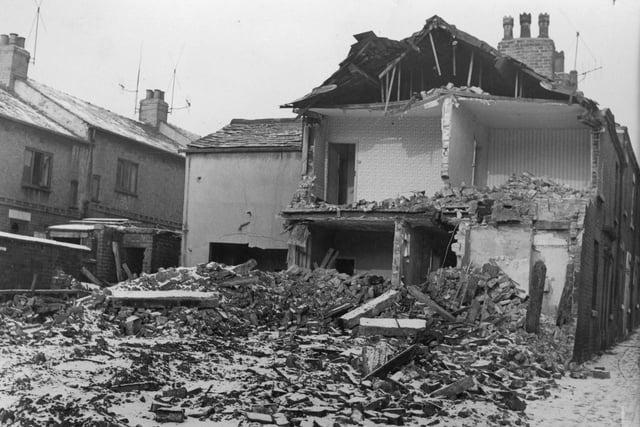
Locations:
440 150
237 181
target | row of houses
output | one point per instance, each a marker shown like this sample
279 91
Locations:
351 178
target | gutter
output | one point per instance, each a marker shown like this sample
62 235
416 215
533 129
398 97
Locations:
194 150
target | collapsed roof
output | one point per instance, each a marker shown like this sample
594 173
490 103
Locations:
378 69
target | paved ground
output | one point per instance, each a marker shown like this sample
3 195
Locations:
596 402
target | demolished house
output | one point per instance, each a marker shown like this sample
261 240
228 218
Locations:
120 248
439 150
238 180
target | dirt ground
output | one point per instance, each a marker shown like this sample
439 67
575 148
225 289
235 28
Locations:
596 402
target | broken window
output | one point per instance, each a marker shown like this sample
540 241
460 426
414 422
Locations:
95 188
37 168
127 177
237 253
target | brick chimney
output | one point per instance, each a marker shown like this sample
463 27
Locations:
153 109
14 59
538 53
507 24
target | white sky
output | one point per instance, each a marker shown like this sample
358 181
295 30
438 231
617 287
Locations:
245 58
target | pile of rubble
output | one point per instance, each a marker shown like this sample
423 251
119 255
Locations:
421 354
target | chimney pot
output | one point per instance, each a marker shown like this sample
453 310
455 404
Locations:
158 94
153 109
149 94
543 25
4 39
525 25
20 42
13 38
507 25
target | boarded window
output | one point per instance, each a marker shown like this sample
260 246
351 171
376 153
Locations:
37 168
127 177
95 188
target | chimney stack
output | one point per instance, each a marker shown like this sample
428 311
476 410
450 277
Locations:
153 108
543 25
14 60
507 24
525 25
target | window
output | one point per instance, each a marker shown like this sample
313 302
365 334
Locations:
127 177
37 169
95 188
73 194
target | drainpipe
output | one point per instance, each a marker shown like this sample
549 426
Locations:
185 210
473 164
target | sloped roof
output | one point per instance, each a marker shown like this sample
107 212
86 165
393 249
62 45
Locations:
254 135
106 120
360 76
14 108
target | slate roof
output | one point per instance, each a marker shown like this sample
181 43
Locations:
253 135
16 109
109 121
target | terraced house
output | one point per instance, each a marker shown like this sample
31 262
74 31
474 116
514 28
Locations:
439 150
62 158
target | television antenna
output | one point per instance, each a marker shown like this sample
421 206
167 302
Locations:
137 89
36 22
174 79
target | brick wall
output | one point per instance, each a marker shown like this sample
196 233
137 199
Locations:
21 259
166 251
394 155
537 53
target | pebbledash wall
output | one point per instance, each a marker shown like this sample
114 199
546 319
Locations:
244 192
412 144
22 257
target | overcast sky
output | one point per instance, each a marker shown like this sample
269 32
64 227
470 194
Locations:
245 58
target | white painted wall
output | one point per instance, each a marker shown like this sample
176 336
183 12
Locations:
225 191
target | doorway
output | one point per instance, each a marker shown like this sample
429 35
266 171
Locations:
342 173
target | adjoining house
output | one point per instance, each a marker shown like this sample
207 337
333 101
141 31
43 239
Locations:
63 158
398 142
238 179
120 248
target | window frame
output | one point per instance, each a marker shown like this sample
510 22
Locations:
30 181
122 167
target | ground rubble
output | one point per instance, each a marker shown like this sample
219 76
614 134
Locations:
272 348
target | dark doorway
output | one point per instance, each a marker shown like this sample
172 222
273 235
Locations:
134 258
236 253
345 265
342 173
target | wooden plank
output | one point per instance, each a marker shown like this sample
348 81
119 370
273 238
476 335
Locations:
425 299
326 258
332 260
455 388
125 267
174 297
33 281
91 277
536 294
372 307
116 255
395 362
435 54
391 327
470 69
56 292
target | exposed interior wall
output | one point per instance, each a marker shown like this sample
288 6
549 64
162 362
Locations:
465 128
560 154
509 246
236 198
371 250
394 155
553 249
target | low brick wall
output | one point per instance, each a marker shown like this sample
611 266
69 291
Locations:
21 257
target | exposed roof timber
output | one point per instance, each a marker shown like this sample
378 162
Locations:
428 58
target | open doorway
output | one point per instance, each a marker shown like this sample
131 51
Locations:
342 173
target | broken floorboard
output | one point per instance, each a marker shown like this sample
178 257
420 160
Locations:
173 297
47 292
372 307
390 327
394 363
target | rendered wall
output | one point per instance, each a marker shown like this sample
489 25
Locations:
465 128
160 191
394 155
236 198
